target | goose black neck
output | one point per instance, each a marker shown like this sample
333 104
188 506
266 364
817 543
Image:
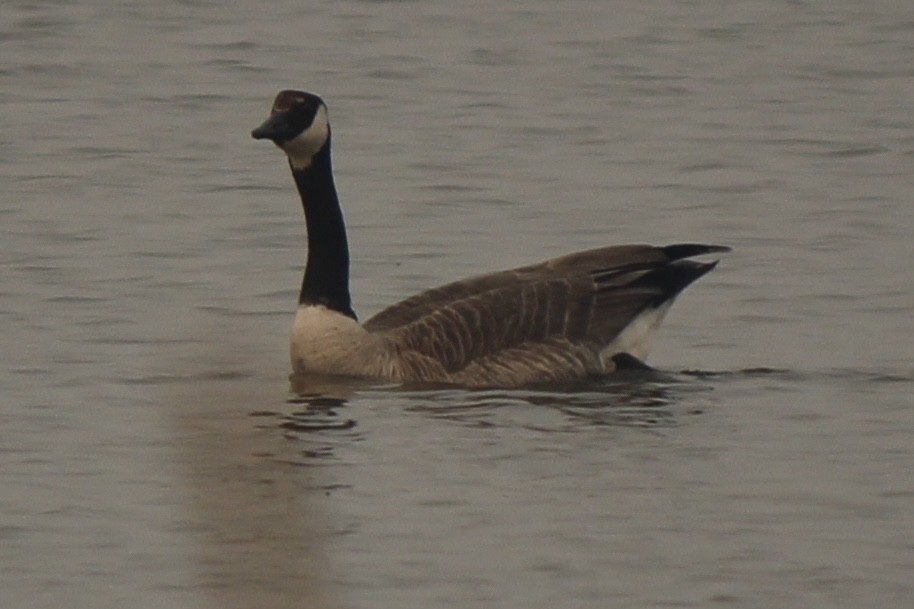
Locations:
326 280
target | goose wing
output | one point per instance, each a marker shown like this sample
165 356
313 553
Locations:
559 313
429 301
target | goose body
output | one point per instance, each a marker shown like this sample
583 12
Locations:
566 318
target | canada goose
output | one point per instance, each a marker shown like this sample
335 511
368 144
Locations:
580 315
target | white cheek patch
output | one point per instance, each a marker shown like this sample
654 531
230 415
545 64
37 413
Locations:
302 148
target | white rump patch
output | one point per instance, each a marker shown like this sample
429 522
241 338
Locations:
636 338
302 148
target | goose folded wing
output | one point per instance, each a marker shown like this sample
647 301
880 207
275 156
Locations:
547 328
428 302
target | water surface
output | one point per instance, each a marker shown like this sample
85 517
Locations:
154 453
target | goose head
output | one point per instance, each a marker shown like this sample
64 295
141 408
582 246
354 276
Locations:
298 124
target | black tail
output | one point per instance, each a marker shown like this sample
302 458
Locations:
673 278
687 250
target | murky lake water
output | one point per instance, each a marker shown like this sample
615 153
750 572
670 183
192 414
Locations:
152 252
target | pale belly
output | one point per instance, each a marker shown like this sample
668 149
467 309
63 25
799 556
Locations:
327 342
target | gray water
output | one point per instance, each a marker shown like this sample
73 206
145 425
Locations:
155 455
